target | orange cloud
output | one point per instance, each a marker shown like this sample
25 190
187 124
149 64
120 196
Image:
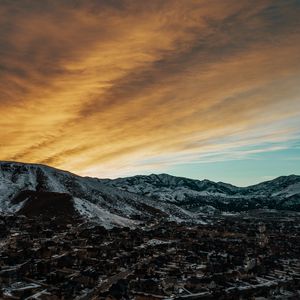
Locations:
104 86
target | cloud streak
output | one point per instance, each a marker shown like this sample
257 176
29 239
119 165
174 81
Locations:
98 87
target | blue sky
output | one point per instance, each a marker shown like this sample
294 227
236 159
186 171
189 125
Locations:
242 172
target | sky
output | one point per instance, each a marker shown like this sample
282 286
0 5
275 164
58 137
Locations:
113 88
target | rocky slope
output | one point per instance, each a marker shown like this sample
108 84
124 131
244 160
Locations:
280 193
22 185
37 189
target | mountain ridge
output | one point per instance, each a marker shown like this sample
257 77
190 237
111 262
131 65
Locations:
131 200
91 197
143 175
203 180
183 191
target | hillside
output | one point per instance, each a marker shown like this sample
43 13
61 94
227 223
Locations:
90 197
280 193
33 189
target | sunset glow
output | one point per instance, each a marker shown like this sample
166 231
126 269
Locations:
114 88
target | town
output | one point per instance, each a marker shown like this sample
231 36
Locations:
239 256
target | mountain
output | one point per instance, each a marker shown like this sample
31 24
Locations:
37 189
34 190
280 193
51 204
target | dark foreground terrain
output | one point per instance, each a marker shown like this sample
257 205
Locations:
242 256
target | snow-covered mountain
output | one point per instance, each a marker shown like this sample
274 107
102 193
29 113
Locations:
36 189
280 193
23 186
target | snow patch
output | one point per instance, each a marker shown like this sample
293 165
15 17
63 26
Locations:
99 215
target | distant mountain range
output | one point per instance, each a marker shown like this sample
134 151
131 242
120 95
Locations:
33 189
282 193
